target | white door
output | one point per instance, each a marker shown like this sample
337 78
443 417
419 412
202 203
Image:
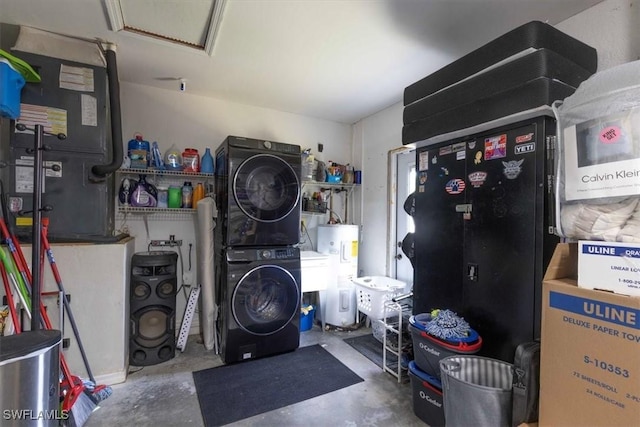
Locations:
406 183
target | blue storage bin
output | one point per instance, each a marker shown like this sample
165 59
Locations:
11 83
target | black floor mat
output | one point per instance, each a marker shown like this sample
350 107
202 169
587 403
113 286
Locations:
371 348
233 392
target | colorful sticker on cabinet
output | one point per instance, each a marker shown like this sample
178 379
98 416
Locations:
423 161
445 150
458 146
422 178
477 178
455 186
434 160
444 171
525 148
524 138
478 158
512 168
472 145
495 147
461 155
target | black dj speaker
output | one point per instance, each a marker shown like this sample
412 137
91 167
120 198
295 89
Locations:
152 302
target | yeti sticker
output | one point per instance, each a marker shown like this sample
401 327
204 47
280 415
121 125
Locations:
512 168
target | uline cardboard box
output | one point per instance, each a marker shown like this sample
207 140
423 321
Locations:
609 266
590 350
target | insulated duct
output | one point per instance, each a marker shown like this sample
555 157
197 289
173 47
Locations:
101 171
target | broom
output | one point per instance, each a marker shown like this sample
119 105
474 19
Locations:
77 401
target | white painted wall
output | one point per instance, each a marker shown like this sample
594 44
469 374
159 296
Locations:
612 27
187 120
374 136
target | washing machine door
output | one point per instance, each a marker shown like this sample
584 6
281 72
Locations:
265 300
266 188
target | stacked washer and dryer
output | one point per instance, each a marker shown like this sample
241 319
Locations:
257 265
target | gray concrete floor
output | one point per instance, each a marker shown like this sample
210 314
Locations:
164 395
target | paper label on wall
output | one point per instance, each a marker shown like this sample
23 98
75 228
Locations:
602 157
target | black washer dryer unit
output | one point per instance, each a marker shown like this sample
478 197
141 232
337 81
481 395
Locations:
258 192
260 302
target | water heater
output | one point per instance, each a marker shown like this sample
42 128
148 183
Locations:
340 243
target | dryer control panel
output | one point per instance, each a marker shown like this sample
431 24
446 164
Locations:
262 254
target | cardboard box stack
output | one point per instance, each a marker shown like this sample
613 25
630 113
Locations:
590 350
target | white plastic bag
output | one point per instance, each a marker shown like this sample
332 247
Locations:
598 159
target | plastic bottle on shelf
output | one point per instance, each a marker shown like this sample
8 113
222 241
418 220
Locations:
206 163
175 197
190 160
198 194
144 195
139 152
187 195
173 159
163 197
348 174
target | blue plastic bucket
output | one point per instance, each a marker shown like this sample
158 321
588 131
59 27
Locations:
306 320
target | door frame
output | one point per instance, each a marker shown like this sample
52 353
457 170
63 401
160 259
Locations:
392 185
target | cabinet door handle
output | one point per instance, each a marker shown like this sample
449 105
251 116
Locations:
472 272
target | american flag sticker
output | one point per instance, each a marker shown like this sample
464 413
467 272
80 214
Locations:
455 186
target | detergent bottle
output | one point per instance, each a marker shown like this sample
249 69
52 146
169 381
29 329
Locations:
198 194
206 163
144 195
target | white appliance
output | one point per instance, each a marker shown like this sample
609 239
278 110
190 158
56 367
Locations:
340 243
314 268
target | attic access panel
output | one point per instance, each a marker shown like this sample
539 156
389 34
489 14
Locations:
193 23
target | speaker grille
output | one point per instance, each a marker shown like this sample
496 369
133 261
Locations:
152 307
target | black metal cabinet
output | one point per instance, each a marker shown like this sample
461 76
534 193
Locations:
482 231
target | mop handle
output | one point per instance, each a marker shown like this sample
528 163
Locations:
9 294
16 252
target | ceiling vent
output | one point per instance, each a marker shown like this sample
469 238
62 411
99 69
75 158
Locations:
192 23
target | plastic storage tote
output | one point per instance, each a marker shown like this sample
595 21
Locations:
427 396
428 350
476 391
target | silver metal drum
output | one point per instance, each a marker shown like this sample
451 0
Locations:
29 374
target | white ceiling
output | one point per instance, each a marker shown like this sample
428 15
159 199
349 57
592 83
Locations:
339 60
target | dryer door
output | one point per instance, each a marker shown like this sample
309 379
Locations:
265 300
266 188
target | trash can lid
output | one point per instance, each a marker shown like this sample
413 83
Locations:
19 345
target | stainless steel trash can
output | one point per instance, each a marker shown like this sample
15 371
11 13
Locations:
30 379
